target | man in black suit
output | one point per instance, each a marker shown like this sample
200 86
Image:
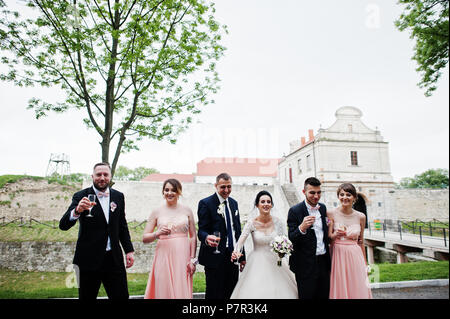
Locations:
219 212
310 260
98 254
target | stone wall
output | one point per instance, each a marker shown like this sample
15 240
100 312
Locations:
58 256
142 197
35 199
424 204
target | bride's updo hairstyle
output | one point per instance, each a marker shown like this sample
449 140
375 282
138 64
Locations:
175 184
260 194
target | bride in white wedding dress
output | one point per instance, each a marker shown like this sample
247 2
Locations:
262 278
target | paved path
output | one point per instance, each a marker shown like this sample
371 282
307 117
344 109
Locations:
411 293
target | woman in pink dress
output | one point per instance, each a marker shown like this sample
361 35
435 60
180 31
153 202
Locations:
174 260
349 278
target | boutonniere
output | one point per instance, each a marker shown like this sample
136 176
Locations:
221 210
113 206
236 212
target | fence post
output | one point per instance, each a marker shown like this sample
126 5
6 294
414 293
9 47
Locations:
420 232
384 228
431 230
445 238
400 229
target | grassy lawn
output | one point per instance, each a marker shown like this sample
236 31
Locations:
413 271
42 285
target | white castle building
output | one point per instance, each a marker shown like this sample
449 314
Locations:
348 151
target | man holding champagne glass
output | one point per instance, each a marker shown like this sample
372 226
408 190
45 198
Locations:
100 211
219 227
308 231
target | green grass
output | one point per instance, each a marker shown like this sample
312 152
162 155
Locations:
43 285
413 271
5 179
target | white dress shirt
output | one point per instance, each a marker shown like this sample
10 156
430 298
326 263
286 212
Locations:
104 203
318 229
221 200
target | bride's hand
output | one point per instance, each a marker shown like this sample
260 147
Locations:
235 255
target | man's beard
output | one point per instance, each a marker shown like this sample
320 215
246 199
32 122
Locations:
102 189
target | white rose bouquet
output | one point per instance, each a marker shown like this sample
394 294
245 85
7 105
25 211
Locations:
282 246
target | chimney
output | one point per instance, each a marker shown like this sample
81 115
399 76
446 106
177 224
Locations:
303 141
311 135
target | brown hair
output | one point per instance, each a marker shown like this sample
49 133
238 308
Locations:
349 188
224 176
101 164
175 184
311 181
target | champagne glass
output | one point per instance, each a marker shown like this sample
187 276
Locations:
91 198
217 234
170 226
239 254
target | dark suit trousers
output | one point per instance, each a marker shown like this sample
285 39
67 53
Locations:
220 281
316 286
113 277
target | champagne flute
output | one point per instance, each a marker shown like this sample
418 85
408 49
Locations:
170 226
217 234
239 254
91 198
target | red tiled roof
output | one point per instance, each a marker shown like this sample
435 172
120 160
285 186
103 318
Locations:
184 178
213 166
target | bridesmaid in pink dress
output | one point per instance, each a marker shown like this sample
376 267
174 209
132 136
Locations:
174 261
349 278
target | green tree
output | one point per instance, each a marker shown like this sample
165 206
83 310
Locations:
124 173
427 21
137 68
432 178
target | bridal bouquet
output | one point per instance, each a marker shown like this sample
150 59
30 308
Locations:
282 246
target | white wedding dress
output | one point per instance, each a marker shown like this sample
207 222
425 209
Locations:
262 278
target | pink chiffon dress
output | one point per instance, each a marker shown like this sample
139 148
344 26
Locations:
169 277
349 278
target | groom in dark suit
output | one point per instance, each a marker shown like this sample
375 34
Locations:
98 254
308 231
219 212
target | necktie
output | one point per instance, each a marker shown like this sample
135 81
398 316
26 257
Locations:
229 230
103 194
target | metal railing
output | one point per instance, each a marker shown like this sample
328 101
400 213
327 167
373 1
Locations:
433 228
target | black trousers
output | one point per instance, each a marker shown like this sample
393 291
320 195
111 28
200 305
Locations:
318 285
113 277
220 281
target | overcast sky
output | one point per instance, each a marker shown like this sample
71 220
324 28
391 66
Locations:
289 65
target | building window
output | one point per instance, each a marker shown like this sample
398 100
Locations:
354 158
334 204
379 204
350 128
308 163
299 166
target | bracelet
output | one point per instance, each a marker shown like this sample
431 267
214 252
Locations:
194 261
